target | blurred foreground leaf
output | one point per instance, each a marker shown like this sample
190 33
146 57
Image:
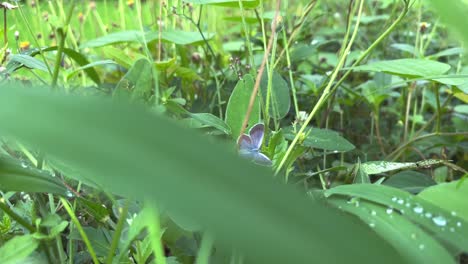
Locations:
137 154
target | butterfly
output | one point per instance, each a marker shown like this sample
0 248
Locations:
249 145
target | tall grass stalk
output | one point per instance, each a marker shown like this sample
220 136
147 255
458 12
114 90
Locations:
326 91
76 222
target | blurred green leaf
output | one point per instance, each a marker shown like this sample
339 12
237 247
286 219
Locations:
440 223
453 13
17 249
413 243
134 153
449 196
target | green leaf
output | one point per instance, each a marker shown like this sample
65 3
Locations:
88 66
238 103
439 222
138 81
27 61
99 238
280 100
17 249
212 121
137 154
17 176
450 196
322 139
360 176
406 67
173 36
227 3
376 167
410 181
79 58
411 241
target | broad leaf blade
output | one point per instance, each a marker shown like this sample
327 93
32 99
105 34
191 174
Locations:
238 103
17 249
16 176
137 154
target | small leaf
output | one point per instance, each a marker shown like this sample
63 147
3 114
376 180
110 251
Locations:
17 176
322 139
280 100
360 176
406 67
238 103
28 61
213 121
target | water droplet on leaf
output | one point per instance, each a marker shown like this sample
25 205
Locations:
439 220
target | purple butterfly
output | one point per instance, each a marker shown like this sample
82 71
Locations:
249 145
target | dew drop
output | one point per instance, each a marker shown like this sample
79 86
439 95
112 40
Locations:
372 225
452 229
421 246
394 199
373 213
389 210
428 215
408 205
402 211
24 165
459 224
453 213
400 201
418 209
439 220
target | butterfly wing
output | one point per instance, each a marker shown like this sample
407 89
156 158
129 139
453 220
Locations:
261 159
244 142
256 135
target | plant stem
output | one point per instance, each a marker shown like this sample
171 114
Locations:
204 252
247 37
62 34
80 230
117 233
154 229
260 72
